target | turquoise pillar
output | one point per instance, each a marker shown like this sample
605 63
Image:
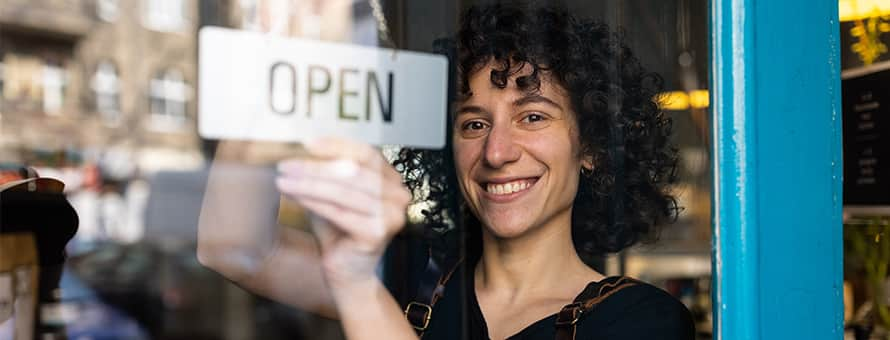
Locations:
777 165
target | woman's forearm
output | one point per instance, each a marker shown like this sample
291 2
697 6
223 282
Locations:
368 311
239 237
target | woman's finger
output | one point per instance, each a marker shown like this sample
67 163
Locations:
372 181
346 172
371 231
325 233
341 148
345 196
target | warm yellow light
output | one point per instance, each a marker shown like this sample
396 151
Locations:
679 100
849 10
699 99
674 100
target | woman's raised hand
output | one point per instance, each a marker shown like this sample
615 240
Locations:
357 203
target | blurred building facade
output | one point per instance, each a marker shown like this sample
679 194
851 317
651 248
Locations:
86 78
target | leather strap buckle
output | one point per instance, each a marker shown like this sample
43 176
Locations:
418 307
569 315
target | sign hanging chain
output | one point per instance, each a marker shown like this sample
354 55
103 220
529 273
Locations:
382 25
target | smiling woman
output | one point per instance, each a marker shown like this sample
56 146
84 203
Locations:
595 88
559 154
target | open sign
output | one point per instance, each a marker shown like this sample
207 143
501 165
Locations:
261 87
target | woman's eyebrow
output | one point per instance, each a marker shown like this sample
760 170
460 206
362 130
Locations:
471 109
535 98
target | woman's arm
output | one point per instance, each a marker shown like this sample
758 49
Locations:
368 311
239 236
357 204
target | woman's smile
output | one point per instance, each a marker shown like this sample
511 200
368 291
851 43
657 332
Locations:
504 190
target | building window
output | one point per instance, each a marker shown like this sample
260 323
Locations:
107 10
106 87
168 95
54 82
23 79
165 15
249 15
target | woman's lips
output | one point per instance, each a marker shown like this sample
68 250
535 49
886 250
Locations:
508 191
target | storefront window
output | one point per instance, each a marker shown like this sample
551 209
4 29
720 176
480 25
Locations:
865 63
179 129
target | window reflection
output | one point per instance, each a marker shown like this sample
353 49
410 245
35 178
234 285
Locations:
106 88
166 15
107 10
112 112
168 95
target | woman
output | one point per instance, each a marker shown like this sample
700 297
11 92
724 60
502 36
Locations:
558 153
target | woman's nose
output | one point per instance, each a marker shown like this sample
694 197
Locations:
500 147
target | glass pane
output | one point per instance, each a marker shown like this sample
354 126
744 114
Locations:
865 76
252 169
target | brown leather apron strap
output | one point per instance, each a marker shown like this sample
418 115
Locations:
432 287
566 321
568 316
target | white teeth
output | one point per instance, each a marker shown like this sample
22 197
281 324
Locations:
507 188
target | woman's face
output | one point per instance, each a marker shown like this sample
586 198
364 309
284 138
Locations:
517 154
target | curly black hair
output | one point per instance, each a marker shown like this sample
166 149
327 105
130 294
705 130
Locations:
626 196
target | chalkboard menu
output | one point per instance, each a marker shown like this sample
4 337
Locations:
866 112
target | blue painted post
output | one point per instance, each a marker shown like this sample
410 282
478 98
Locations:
777 244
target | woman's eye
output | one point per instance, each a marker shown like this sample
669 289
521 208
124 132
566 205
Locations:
473 128
474 125
532 118
535 121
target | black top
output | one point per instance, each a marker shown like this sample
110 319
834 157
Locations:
640 311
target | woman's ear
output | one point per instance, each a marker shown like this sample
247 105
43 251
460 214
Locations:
587 163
